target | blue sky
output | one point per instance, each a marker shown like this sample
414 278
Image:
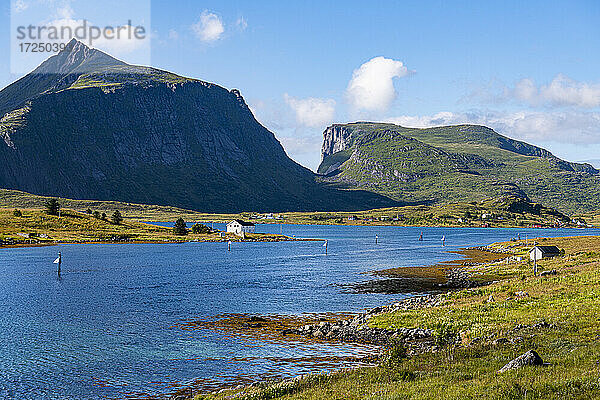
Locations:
530 70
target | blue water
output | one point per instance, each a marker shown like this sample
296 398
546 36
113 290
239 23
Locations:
108 327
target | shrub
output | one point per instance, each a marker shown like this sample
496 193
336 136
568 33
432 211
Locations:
52 206
88 211
180 228
117 218
395 353
97 214
200 229
445 334
17 213
104 216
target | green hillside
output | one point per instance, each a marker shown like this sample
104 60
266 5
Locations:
453 163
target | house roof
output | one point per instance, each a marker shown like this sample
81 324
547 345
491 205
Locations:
242 223
547 249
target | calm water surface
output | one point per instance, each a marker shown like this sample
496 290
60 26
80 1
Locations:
108 327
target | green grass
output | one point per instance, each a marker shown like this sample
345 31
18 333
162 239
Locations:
37 227
117 76
569 300
452 214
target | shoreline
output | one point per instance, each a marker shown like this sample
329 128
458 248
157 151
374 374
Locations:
224 240
348 328
423 340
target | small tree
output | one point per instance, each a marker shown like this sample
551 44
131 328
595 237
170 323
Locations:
200 229
97 214
52 207
104 216
180 228
117 218
17 213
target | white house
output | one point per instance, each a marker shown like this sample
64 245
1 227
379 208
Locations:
238 226
539 252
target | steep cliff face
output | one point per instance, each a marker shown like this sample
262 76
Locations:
102 129
335 138
453 163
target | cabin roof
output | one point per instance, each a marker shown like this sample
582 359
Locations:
547 249
242 223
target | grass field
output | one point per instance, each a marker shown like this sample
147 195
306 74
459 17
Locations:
493 212
37 227
568 302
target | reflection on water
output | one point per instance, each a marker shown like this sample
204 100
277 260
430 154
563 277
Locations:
112 325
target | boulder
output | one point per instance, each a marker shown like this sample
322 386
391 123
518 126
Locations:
529 358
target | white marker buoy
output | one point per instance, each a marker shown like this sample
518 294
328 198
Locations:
58 261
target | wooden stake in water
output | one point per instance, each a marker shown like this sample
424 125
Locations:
376 239
443 240
421 237
229 245
325 245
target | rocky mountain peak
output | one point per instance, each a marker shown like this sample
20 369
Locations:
76 57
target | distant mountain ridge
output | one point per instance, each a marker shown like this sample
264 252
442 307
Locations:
85 125
452 163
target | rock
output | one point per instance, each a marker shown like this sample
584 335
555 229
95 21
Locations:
257 319
543 324
521 294
529 358
548 273
490 299
517 340
500 341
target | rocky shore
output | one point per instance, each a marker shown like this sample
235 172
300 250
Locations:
415 340
357 330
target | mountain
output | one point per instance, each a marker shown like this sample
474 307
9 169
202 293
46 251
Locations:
452 163
595 163
85 125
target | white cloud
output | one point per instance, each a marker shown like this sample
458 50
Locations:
20 6
241 23
120 46
562 91
372 85
561 127
312 112
65 11
209 28
565 91
123 45
173 35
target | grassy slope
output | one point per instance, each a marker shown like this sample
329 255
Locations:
117 76
570 300
438 164
142 212
439 215
73 226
